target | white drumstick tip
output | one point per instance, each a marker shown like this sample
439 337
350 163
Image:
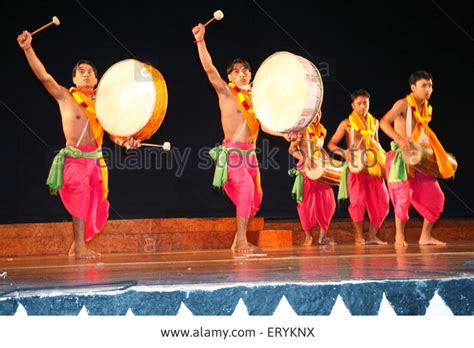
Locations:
166 146
218 15
56 20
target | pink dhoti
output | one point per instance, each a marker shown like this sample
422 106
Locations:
242 185
421 191
318 205
369 193
82 192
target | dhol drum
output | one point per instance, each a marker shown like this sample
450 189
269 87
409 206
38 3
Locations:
326 170
421 157
131 100
287 92
363 159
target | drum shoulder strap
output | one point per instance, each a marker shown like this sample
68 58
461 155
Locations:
83 133
352 139
240 132
409 121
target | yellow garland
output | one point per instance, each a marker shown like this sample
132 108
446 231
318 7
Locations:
367 131
444 165
82 99
315 133
319 131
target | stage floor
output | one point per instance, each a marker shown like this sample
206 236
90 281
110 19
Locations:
329 267
319 264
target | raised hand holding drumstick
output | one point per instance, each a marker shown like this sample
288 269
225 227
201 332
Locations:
200 29
198 32
24 40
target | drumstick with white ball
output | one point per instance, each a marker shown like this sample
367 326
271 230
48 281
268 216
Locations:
218 15
166 145
55 21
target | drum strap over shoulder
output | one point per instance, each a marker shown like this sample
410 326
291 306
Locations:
83 133
240 133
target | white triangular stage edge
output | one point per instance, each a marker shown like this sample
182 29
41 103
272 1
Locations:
438 306
284 309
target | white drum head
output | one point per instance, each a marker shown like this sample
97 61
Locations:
126 98
316 172
287 92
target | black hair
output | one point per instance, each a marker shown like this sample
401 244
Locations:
84 61
419 75
230 67
360 93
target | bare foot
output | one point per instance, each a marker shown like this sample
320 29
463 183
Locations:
430 241
359 241
375 240
84 253
400 240
308 240
327 241
244 247
401 243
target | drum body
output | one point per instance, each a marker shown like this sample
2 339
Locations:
287 92
131 100
421 157
327 170
363 159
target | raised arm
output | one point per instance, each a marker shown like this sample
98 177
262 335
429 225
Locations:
395 114
216 81
57 91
